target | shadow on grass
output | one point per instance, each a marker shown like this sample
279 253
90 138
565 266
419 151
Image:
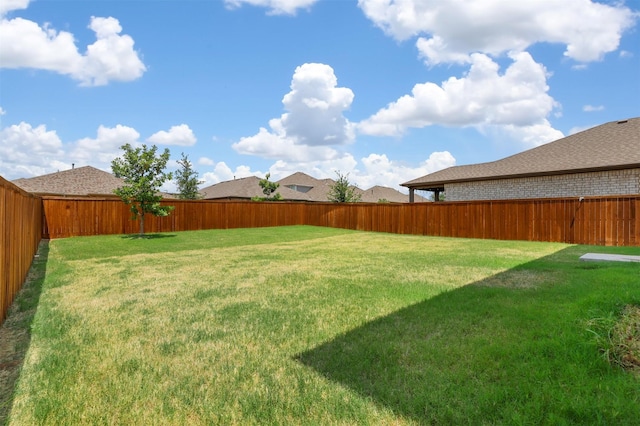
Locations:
147 236
509 349
15 336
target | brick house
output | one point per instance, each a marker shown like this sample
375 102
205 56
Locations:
603 160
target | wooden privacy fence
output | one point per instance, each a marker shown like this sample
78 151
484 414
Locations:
25 218
611 221
21 219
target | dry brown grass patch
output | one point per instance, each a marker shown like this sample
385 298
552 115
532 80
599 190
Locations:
625 337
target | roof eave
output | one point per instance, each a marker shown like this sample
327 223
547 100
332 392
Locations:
439 185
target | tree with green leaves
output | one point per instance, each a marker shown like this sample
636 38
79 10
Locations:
268 189
342 191
441 196
143 174
187 180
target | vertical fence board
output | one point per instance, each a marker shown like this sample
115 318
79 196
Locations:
634 220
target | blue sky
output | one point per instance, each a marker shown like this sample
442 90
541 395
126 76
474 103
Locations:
384 90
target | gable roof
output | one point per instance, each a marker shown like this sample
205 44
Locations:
377 193
85 180
249 187
320 189
299 178
611 146
246 188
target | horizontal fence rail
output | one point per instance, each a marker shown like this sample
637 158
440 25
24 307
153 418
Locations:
610 221
21 219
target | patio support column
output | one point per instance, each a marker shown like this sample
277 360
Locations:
411 196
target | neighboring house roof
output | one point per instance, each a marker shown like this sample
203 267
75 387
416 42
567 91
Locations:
299 179
246 188
611 146
85 180
378 193
320 188
249 187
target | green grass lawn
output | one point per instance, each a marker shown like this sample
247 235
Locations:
307 325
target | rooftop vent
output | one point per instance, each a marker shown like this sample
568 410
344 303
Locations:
622 121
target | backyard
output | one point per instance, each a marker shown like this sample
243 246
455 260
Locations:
313 325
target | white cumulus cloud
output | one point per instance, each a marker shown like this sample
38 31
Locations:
206 161
111 57
483 97
311 136
314 121
380 170
101 150
28 151
319 168
449 30
10 5
276 145
222 172
275 7
315 106
180 135
372 170
26 44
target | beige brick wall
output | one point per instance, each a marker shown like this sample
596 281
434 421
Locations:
615 182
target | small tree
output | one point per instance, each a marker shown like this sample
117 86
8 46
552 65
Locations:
143 174
187 180
268 188
441 196
342 191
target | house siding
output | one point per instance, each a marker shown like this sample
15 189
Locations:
614 182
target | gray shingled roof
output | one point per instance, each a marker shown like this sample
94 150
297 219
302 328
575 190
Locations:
614 145
377 193
299 178
246 188
249 187
85 180
320 189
